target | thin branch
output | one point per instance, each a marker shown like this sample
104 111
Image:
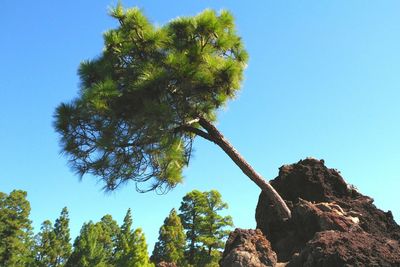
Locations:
196 131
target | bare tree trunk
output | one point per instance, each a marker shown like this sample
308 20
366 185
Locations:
214 135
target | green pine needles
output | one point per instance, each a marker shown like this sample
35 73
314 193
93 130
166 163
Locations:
149 94
140 101
196 236
170 246
15 229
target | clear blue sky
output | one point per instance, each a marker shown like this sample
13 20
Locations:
323 81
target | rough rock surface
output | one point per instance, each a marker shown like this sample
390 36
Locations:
333 248
248 248
332 223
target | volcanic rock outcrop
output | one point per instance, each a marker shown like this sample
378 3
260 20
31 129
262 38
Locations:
332 224
248 248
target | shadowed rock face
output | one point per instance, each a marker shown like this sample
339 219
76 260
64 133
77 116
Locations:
332 223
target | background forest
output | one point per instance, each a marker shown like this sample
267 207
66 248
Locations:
194 236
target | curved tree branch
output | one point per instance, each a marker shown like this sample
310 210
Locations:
196 131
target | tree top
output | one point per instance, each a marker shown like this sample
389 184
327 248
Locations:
141 99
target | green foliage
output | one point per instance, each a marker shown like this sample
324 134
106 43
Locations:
192 209
136 255
205 227
52 247
136 114
102 244
87 250
44 250
171 241
213 226
62 235
105 244
131 248
15 229
108 237
93 247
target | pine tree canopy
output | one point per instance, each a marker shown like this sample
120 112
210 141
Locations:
171 242
214 225
45 246
62 233
131 246
149 94
206 229
141 100
52 247
15 229
90 248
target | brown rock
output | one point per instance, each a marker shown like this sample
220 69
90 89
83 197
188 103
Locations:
320 200
324 216
248 248
311 180
307 219
332 224
334 248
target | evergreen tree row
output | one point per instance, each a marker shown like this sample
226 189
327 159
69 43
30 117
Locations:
194 236
101 244
105 244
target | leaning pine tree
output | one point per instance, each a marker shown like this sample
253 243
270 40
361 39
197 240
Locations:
149 94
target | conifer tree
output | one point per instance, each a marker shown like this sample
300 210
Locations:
52 247
131 248
213 227
45 249
139 256
192 211
62 236
108 236
124 244
15 230
171 242
92 247
149 94
205 227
